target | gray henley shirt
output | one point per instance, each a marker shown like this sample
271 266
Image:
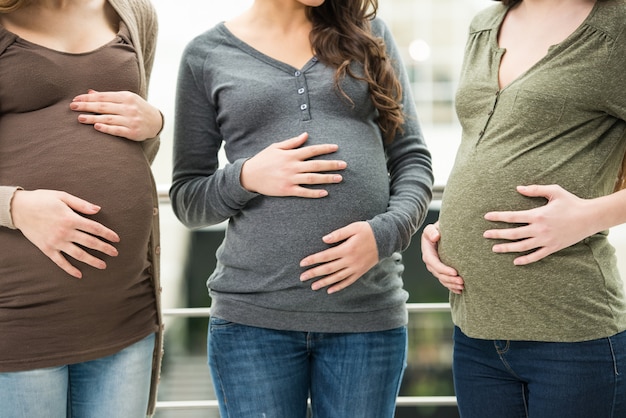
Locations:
233 95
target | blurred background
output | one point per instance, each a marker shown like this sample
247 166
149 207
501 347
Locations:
431 35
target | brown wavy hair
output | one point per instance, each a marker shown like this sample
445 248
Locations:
342 35
8 6
508 2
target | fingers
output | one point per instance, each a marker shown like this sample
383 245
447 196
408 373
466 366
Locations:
87 225
53 221
94 96
342 265
119 113
317 178
532 257
65 265
311 151
515 233
293 143
446 275
535 190
79 254
283 168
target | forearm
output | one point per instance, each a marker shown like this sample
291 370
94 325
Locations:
605 212
203 200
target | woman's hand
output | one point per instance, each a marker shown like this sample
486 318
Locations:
446 275
342 265
282 168
563 221
51 220
119 113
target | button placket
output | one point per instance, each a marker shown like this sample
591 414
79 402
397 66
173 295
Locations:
303 96
489 115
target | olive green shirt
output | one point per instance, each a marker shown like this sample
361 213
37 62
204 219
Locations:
561 122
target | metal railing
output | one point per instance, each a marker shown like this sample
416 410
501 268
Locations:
402 400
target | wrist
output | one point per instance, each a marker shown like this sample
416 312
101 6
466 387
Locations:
161 118
245 176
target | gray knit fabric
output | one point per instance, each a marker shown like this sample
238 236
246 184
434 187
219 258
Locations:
230 93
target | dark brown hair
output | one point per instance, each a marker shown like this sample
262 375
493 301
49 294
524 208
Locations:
341 35
509 2
8 6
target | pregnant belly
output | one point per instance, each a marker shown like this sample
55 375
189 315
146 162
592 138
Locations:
108 171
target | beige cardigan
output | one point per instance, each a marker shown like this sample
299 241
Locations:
141 20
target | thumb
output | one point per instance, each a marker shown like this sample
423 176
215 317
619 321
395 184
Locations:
431 233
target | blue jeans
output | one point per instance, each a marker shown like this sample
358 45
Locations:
113 386
260 372
519 379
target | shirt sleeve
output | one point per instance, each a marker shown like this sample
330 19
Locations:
409 165
615 82
6 195
202 194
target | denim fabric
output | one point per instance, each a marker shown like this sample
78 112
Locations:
528 379
113 386
260 372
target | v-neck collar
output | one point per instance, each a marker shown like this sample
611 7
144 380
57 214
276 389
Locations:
250 50
499 51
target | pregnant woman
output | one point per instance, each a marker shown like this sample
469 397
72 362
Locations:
327 179
537 300
78 209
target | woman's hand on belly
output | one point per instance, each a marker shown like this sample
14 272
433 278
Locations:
563 221
283 167
119 113
342 265
52 221
446 275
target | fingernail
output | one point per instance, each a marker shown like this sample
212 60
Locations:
337 179
323 193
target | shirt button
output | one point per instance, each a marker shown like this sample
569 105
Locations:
297 73
301 90
303 107
155 211
481 133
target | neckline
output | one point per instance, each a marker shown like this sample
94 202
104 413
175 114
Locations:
250 50
500 51
115 39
